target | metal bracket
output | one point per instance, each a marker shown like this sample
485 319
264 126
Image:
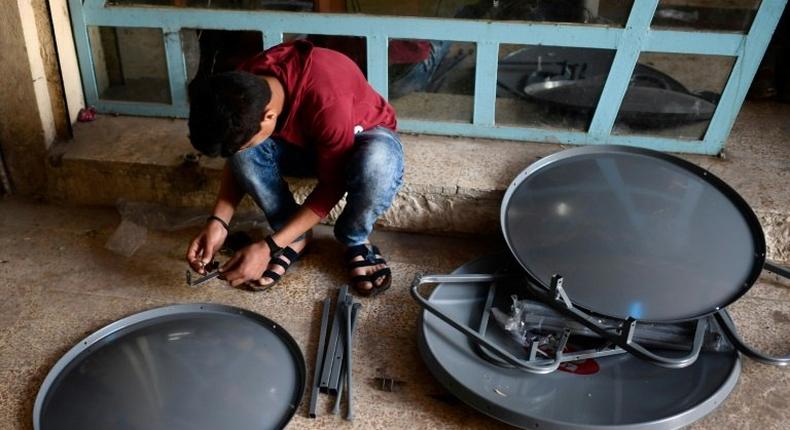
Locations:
623 339
539 366
627 332
534 351
559 292
212 270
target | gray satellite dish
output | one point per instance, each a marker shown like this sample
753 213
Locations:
633 232
624 261
190 367
625 392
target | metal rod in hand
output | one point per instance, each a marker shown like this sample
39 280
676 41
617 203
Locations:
211 272
202 280
319 357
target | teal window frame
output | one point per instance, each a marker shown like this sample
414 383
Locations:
629 42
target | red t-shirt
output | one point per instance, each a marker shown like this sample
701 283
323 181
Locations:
326 99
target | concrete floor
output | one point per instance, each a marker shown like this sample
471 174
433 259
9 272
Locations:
59 284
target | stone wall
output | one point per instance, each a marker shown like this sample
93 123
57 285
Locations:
32 107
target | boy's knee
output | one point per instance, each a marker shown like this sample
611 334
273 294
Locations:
240 166
382 157
249 160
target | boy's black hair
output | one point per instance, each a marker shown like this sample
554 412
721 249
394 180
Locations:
225 111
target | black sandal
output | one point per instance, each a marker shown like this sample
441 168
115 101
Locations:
289 253
369 258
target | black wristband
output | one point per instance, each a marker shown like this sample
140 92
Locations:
219 220
275 250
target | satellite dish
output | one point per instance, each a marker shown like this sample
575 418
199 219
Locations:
633 232
196 366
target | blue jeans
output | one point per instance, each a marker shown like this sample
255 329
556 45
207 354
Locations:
418 76
374 174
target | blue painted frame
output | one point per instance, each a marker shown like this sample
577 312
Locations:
629 42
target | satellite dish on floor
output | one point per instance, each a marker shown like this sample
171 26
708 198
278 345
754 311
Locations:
190 367
621 264
623 392
634 233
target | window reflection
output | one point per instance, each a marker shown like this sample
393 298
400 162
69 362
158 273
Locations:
285 5
673 95
549 86
727 15
606 12
432 79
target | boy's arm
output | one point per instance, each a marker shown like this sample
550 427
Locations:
229 196
332 131
206 244
249 263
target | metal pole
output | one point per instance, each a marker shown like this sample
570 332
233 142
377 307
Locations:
350 412
334 338
319 356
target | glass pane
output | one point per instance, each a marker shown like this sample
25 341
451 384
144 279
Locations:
606 12
217 51
130 64
549 86
726 15
354 47
286 5
432 79
673 95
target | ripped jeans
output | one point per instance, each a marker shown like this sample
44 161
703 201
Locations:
374 174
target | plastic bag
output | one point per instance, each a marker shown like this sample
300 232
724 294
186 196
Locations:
139 217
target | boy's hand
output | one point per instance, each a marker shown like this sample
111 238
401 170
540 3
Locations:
205 245
246 265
